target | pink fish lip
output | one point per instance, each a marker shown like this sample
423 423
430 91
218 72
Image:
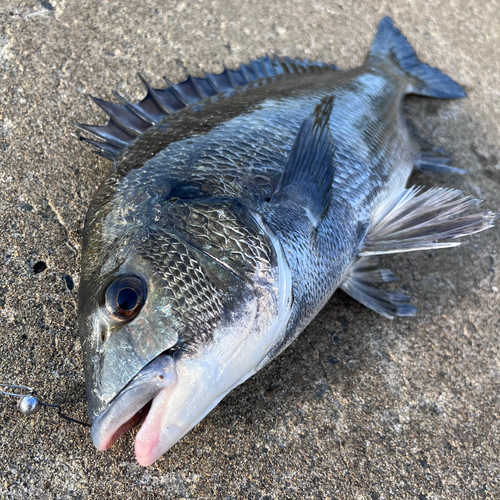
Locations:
131 406
149 450
157 433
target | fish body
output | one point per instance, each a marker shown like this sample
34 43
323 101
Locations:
236 206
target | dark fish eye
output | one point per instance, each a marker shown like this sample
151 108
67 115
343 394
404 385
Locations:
127 299
124 297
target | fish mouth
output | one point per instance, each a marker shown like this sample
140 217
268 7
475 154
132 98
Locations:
139 417
169 396
141 401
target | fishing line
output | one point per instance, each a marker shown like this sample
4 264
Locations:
31 403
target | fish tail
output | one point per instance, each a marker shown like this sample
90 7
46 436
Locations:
392 45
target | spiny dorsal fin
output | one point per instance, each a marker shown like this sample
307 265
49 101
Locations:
307 177
128 120
360 285
411 220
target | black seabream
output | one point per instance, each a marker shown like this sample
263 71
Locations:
237 204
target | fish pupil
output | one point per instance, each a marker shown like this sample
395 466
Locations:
127 299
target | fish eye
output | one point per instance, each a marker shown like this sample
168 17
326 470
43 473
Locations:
124 297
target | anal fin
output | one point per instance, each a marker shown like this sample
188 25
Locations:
436 160
407 221
360 285
432 160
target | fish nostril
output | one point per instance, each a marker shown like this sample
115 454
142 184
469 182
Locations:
103 335
161 377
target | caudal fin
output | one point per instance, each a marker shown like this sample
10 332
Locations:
390 44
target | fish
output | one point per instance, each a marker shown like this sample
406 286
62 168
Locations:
236 205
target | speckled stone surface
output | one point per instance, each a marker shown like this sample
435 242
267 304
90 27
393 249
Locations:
359 407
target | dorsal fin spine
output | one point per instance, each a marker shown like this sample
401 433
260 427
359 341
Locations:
129 120
277 67
193 85
133 109
204 87
106 149
169 100
250 72
153 94
259 69
123 117
239 77
175 91
268 67
223 81
210 78
230 77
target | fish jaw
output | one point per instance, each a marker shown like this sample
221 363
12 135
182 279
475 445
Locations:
154 438
183 389
204 379
125 411
203 383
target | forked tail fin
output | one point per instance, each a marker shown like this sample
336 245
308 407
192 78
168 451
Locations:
393 46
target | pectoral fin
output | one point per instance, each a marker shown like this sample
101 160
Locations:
308 174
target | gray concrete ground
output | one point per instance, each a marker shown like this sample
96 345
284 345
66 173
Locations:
359 407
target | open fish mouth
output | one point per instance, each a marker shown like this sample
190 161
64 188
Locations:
105 444
143 399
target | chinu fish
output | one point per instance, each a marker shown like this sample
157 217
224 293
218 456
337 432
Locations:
237 204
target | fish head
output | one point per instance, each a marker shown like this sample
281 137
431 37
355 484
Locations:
175 313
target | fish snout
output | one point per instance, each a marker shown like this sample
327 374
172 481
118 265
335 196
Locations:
133 403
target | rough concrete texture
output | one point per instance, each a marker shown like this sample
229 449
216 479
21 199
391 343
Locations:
359 407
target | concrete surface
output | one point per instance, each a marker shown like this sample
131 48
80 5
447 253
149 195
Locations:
359 407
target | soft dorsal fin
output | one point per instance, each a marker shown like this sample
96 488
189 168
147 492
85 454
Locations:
128 120
308 174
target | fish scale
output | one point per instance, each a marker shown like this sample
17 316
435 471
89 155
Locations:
216 228
191 290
